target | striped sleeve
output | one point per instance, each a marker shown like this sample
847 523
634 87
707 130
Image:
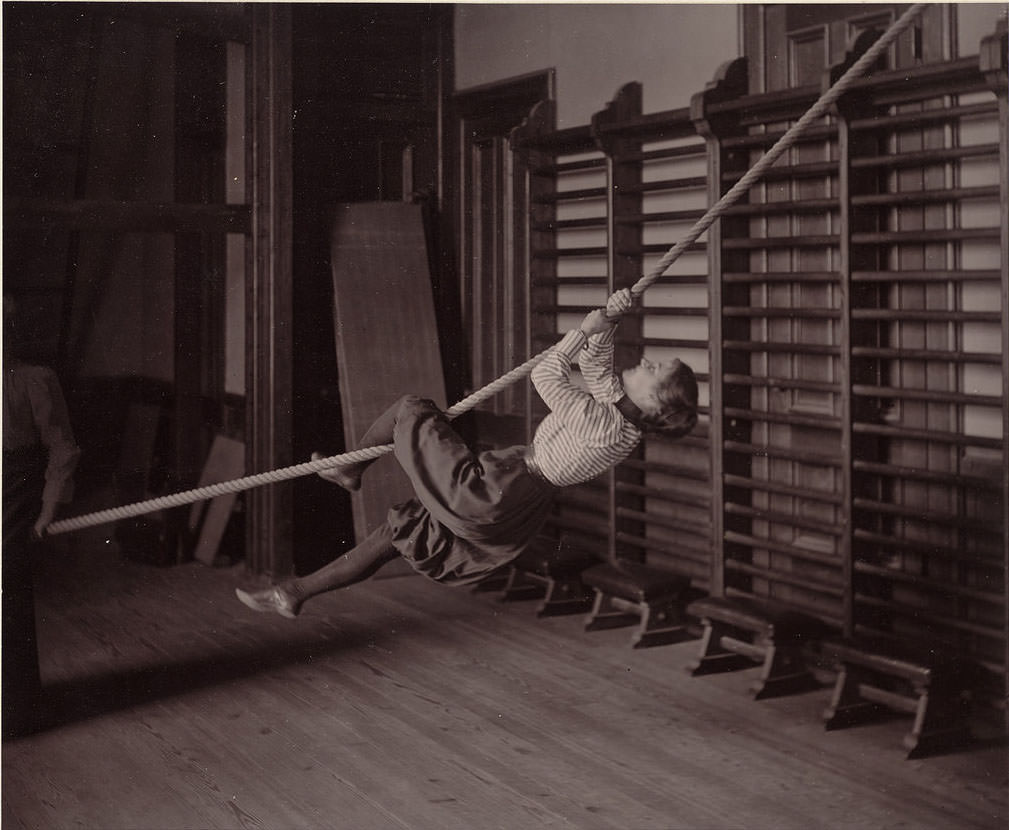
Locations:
596 363
582 415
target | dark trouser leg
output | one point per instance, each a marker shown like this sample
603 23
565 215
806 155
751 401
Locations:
22 684
355 565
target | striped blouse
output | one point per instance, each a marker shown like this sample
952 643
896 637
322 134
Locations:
584 434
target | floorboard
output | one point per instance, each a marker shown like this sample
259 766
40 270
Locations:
403 704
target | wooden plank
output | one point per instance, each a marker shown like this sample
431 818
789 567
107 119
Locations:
386 336
226 461
136 454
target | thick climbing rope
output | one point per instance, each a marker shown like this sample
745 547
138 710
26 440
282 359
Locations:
787 140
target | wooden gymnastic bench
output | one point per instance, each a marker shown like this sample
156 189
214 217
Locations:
932 685
627 592
740 631
550 569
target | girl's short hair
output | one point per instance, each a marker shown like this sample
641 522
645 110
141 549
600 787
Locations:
677 414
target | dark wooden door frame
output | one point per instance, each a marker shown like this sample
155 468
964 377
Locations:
478 114
269 289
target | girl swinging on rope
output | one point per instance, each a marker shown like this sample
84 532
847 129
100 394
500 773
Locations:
474 513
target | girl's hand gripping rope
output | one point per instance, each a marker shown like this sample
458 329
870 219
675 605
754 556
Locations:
619 303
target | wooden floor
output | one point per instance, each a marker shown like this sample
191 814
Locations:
404 704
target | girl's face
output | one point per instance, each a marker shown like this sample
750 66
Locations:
641 381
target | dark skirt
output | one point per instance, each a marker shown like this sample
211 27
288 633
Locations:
473 513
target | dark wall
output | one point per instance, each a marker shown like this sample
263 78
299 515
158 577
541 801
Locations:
367 87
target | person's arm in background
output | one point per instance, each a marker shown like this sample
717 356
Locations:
49 410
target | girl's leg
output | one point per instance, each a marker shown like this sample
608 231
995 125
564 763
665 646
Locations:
378 434
356 565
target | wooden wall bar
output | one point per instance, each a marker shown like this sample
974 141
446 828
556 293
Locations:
851 341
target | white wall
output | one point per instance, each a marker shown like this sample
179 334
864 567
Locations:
673 49
975 21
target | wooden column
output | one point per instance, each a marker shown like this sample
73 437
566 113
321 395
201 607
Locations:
853 258
994 63
730 82
269 290
537 213
623 172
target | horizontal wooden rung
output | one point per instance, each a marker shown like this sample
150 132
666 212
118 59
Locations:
669 342
552 282
775 577
570 140
570 195
926 435
781 383
670 311
585 251
941 588
781 489
937 621
957 481
926 236
926 315
732 277
924 116
666 124
659 216
758 242
922 197
571 224
904 394
661 248
700 548
782 311
794 551
671 470
929 518
682 279
785 453
815 133
887 543
926 355
783 206
947 80
697 149
795 100
825 422
738 646
893 700
678 524
922 157
794 171
785 519
774 346
694 499
684 183
945 275
570 166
